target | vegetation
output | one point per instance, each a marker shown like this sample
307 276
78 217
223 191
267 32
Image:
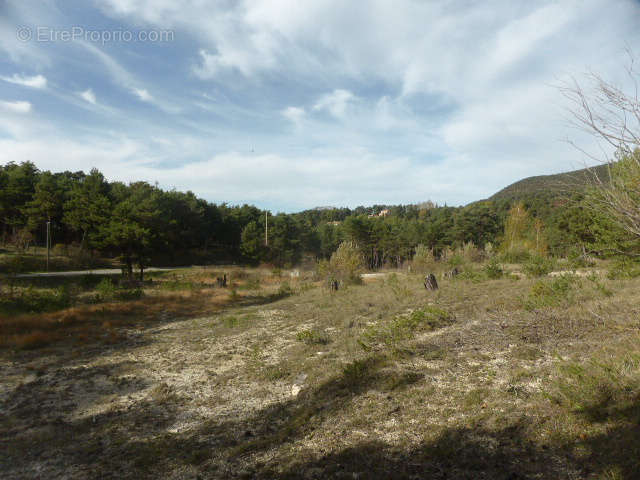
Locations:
141 225
486 377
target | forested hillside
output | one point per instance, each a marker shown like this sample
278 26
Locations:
558 184
141 224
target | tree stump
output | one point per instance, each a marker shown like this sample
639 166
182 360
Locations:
452 273
430 282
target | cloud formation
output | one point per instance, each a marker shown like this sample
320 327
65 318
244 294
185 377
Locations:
447 100
37 81
88 95
16 107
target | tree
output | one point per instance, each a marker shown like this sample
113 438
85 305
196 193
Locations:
252 242
18 184
612 115
88 207
46 202
133 229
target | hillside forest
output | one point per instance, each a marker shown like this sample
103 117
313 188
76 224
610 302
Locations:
141 224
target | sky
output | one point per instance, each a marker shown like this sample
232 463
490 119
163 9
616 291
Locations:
296 104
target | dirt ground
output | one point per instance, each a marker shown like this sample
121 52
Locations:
289 389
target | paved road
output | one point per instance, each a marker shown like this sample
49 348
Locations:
104 271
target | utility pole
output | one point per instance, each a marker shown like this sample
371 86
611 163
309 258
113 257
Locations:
48 242
266 228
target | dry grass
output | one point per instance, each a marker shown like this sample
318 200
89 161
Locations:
481 379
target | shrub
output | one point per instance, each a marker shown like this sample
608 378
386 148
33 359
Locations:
538 266
130 294
423 260
37 301
600 388
579 259
624 268
493 270
403 327
313 337
489 250
400 290
554 293
474 276
455 260
346 264
106 290
446 254
471 253
284 290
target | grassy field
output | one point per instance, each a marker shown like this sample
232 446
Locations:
276 377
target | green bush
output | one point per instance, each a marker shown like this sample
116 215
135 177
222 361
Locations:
403 327
130 294
106 290
624 268
37 301
284 290
537 266
346 264
552 293
455 260
578 259
313 337
474 276
602 387
493 270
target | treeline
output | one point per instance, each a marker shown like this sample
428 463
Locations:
143 224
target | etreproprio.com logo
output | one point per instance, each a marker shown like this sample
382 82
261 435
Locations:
45 34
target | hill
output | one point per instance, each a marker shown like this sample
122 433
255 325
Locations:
558 183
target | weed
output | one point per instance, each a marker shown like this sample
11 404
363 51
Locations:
403 327
251 284
600 388
284 290
400 290
356 371
106 290
537 266
275 372
551 293
31 300
599 285
313 337
493 270
471 275
624 269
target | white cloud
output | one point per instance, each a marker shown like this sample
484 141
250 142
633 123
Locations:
142 94
37 81
294 114
456 93
88 95
16 107
335 102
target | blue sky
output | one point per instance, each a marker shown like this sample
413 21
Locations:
295 104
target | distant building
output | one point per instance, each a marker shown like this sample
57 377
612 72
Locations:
383 213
